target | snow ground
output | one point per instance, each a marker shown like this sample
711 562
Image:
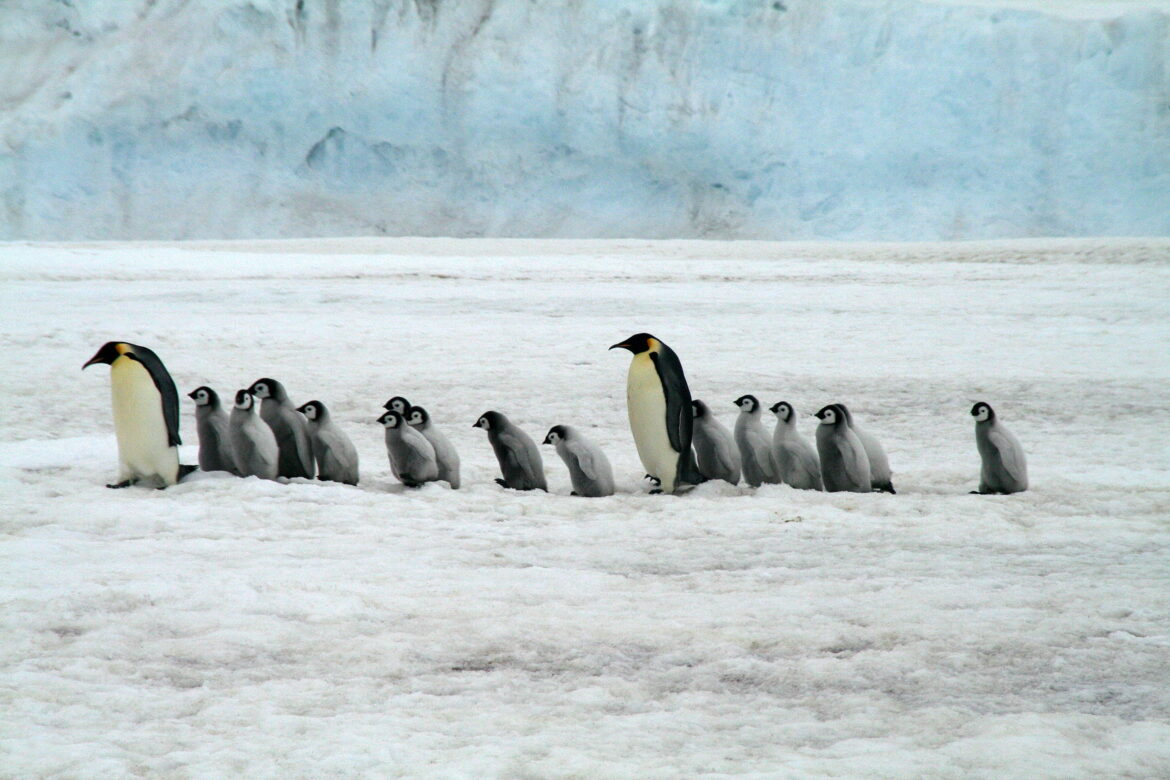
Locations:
233 627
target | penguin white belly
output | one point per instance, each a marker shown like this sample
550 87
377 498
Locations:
143 444
647 406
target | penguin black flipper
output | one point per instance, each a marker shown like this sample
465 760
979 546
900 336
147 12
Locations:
166 389
679 415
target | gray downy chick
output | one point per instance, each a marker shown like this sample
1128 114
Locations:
412 458
519 458
879 464
796 461
755 445
211 421
715 449
589 469
844 465
289 427
336 457
254 445
445 454
1004 468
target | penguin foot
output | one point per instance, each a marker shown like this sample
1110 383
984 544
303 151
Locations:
185 469
656 492
574 493
886 488
123 484
502 482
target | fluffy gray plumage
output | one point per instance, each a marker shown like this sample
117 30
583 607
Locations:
254 447
289 427
844 465
211 421
445 454
879 463
1004 468
755 445
589 469
412 458
336 457
715 449
519 458
797 463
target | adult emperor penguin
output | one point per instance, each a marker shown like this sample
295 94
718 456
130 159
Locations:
412 458
796 460
254 445
211 421
589 469
519 458
661 418
879 464
146 415
289 426
715 448
844 465
1004 468
755 446
336 457
445 454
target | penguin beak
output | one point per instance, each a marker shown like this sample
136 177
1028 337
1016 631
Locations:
547 440
622 344
191 394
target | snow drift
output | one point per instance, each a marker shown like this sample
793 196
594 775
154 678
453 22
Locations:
723 118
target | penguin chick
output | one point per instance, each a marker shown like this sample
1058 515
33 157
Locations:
658 400
879 464
755 446
397 404
589 469
1004 468
445 454
412 458
254 445
844 466
716 452
211 421
796 460
289 427
146 415
337 459
519 458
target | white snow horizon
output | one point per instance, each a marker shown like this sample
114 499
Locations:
232 627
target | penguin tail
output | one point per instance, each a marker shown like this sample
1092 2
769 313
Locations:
186 469
886 488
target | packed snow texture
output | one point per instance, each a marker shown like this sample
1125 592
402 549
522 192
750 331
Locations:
237 627
800 119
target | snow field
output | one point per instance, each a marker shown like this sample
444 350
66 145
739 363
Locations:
230 626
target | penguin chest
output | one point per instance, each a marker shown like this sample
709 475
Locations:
143 443
646 402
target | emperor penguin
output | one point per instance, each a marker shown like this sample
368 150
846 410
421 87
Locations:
289 427
755 446
445 454
715 448
397 404
879 464
146 415
519 458
412 458
211 421
844 465
661 418
336 457
254 445
796 460
1004 468
589 469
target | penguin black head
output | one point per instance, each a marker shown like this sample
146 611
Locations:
699 409
268 388
244 399
392 419
314 410
110 351
748 403
491 421
555 434
638 343
397 404
843 410
982 412
782 409
417 415
830 415
204 396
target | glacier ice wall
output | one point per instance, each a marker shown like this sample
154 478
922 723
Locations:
898 119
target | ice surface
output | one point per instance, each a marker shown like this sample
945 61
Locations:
231 627
899 119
